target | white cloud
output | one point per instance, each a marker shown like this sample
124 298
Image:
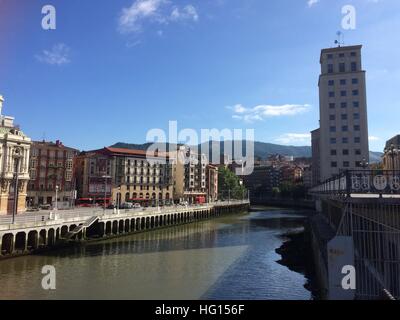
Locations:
58 55
311 3
373 138
262 112
189 12
133 18
294 139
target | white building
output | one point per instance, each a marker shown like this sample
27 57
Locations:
343 134
14 149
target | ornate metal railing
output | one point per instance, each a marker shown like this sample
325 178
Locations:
353 182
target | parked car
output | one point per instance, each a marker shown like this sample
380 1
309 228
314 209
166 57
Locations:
127 205
137 206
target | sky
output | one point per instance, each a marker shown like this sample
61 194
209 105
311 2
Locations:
113 70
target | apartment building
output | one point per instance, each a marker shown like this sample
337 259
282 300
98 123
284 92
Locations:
212 182
190 176
263 180
343 132
51 170
124 175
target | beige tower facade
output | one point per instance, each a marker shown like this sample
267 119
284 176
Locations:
14 158
343 134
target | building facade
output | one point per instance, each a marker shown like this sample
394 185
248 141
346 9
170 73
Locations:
14 160
316 156
212 183
263 180
391 157
343 133
190 176
124 175
51 170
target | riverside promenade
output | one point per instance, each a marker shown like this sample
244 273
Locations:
31 232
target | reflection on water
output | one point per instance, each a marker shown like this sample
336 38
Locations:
227 258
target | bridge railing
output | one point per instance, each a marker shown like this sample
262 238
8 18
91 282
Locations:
353 182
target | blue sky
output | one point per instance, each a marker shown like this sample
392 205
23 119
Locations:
113 70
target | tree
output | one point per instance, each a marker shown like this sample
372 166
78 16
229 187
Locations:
229 185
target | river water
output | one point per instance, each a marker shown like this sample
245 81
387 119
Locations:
231 257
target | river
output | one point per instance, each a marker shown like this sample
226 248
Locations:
231 257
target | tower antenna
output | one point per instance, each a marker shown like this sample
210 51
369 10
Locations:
340 39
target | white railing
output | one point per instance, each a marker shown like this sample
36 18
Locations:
84 214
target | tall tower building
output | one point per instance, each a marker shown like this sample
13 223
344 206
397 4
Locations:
343 134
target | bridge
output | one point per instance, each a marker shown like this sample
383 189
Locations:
358 225
32 232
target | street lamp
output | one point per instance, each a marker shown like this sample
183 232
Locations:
364 163
56 206
17 157
105 190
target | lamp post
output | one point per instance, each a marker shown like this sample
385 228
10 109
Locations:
56 206
17 157
105 190
364 163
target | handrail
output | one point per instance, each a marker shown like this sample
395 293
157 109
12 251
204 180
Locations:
77 215
361 182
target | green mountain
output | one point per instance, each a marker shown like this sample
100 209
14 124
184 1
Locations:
261 149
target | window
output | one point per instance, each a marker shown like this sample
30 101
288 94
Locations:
33 174
343 82
329 56
358 164
332 117
344 116
356 104
356 128
331 94
345 140
342 67
332 106
345 128
333 140
343 105
341 55
354 66
332 129
358 152
333 152
343 93
334 164
331 82
356 116
345 152
346 164
330 68
353 54
354 81
357 140
355 92
68 165
68 175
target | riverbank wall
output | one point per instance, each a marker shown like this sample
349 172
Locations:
31 238
284 203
